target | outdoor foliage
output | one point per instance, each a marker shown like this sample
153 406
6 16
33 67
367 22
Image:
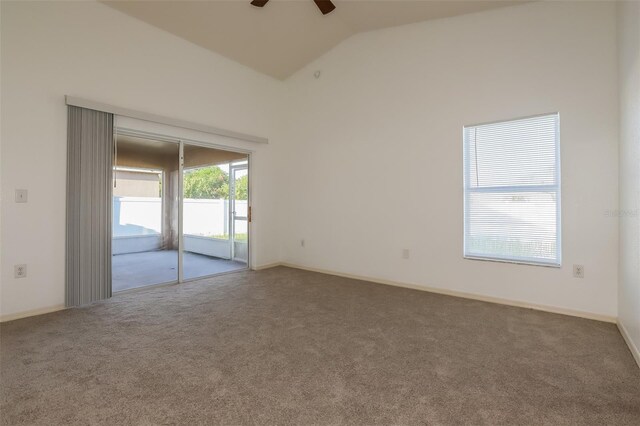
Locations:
212 183
242 188
207 182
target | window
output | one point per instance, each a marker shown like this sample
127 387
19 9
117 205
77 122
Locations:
512 191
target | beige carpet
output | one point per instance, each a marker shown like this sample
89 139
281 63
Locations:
284 346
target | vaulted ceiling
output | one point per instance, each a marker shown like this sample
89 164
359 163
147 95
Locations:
285 35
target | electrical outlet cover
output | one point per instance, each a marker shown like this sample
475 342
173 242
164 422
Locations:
21 195
578 271
20 271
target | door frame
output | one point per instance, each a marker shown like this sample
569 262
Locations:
232 209
118 130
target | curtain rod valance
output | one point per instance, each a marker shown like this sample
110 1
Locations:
84 103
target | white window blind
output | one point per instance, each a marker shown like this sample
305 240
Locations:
512 190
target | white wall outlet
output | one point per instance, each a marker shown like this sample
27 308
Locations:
21 195
302 242
20 271
405 253
578 271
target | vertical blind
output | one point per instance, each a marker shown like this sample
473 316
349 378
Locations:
512 190
89 179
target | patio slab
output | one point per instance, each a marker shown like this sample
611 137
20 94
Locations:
135 270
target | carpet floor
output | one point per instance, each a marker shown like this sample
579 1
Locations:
285 346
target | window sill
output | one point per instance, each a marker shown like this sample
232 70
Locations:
516 262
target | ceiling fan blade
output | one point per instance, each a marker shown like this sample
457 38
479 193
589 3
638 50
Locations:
259 3
325 6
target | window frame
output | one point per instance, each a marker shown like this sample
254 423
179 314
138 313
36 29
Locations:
557 188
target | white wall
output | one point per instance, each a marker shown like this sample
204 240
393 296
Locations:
383 125
136 244
208 246
89 50
629 80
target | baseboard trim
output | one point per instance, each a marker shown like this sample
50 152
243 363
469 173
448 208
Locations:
266 266
31 313
48 310
516 303
627 338
501 301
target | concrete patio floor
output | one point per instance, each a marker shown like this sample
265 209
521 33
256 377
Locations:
135 270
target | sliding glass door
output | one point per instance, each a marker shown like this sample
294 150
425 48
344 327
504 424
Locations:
180 212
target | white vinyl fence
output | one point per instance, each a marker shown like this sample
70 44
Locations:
137 220
205 218
135 216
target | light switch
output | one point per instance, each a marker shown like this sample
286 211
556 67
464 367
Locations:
21 195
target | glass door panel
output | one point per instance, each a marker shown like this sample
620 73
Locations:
144 225
207 236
